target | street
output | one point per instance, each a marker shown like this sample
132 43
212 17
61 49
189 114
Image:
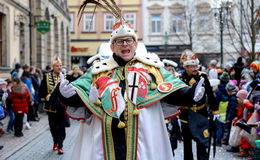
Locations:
37 144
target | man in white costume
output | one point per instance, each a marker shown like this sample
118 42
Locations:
119 100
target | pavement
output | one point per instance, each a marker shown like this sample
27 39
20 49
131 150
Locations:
36 144
13 144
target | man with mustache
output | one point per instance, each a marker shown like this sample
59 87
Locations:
190 130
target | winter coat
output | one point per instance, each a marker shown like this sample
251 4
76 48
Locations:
221 93
232 107
21 99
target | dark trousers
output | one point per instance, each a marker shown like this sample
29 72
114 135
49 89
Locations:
227 128
18 123
202 153
220 128
57 128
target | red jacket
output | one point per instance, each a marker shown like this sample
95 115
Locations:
241 108
20 98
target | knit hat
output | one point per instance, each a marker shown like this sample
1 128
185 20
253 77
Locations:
231 87
242 94
224 77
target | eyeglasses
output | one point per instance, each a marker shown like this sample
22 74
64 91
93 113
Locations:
120 42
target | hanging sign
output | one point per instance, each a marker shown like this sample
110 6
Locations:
43 26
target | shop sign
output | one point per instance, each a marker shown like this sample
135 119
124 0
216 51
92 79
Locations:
43 26
77 49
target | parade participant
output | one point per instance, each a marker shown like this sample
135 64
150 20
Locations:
121 96
170 66
191 76
56 117
172 123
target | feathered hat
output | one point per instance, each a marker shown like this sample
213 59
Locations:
121 28
189 58
56 61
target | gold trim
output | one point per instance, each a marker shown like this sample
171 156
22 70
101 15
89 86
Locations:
194 108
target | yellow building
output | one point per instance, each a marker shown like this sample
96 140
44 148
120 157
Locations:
92 30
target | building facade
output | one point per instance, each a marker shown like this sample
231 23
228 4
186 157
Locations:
92 30
176 25
56 42
20 42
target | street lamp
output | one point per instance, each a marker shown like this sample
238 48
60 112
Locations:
223 7
166 37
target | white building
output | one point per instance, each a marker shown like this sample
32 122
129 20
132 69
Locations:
175 25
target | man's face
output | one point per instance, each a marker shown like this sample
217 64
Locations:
124 47
57 68
192 70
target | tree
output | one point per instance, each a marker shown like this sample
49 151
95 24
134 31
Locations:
246 29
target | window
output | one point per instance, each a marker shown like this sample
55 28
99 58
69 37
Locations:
131 19
203 22
109 20
177 23
89 23
156 24
71 22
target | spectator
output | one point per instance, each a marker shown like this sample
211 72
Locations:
3 96
222 102
238 67
21 99
9 107
15 71
213 73
244 112
231 110
27 80
74 74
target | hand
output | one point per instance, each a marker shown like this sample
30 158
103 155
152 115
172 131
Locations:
245 101
199 91
66 89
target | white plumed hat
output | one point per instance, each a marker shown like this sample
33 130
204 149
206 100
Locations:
122 30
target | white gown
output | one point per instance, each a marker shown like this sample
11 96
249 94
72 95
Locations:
153 140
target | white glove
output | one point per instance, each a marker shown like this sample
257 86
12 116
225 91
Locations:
66 89
199 91
216 116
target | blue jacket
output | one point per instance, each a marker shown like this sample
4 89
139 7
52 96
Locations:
221 93
232 107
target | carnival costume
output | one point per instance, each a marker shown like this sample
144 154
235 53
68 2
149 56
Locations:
120 104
